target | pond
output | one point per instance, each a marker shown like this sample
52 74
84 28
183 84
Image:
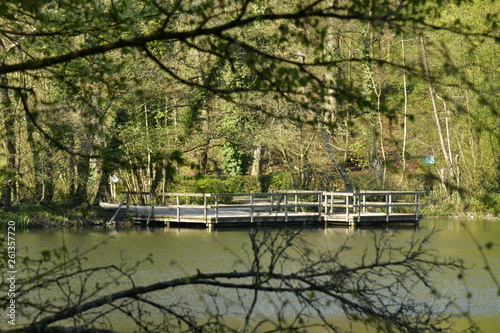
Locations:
184 252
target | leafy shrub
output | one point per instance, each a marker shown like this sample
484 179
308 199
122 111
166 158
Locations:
232 184
22 220
235 161
492 203
277 181
244 184
364 180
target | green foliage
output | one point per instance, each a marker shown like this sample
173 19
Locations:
275 182
235 161
488 204
364 180
358 152
123 91
202 185
231 184
21 219
471 205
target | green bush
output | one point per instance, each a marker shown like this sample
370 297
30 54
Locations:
244 184
486 203
364 180
202 185
21 219
231 184
277 181
492 203
235 161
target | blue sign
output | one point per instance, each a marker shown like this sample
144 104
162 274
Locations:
429 160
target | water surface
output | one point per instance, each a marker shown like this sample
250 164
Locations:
184 252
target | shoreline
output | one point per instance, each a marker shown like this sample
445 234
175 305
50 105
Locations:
41 217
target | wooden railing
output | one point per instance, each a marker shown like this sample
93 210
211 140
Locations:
322 203
359 202
254 202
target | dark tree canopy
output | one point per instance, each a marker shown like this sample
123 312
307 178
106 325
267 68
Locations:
82 78
310 94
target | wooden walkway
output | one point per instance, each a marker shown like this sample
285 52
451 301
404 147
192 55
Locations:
292 208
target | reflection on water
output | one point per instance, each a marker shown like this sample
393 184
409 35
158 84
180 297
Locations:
181 252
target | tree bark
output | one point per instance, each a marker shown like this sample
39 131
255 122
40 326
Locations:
257 161
445 173
405 116
8 184
331 105
343 174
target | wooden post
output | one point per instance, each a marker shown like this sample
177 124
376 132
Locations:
417 196
216 208
116 213
286 208
205 208
358 200
347 208
364 202
388 198
251 208
320 206
296 203
326 203
355 199
152 209
390 203
178 203
330 205
127 203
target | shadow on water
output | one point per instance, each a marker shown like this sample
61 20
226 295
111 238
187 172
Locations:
181 252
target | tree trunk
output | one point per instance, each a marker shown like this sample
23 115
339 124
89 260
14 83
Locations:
331 105
380 166
405 116
257 161
8 184
369 89
445 173
37 177
82 173
343 174
205 114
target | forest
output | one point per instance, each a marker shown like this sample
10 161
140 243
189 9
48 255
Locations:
249 96
104 96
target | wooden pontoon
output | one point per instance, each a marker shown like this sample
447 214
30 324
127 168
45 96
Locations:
291 208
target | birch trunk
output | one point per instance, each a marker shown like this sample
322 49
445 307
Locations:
445 173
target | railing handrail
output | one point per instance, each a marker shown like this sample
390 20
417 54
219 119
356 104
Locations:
324 201
300 193
194 194
371 192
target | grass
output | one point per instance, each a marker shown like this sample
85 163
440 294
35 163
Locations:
57 215
481 205
22 220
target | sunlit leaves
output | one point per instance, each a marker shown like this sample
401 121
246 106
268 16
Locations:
311 62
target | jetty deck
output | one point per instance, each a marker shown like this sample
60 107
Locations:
291 208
